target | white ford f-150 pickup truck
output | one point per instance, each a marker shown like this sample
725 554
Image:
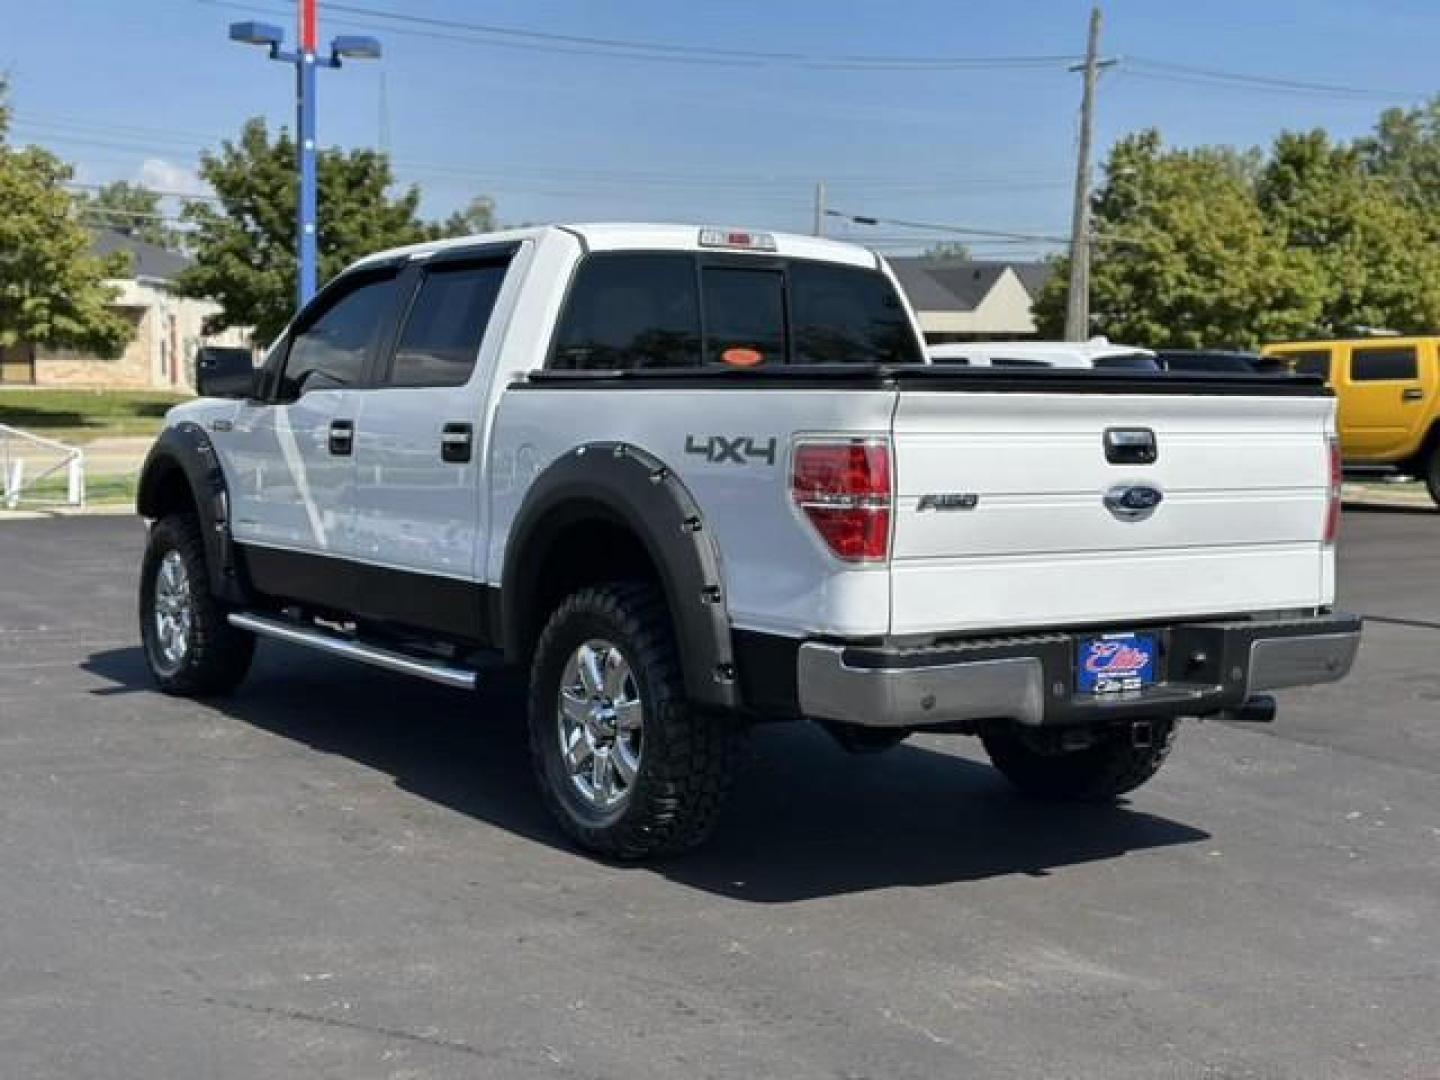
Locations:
690 479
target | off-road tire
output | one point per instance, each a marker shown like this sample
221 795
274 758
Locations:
1110 767
689 755
218 655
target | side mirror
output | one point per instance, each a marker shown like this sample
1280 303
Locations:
224 372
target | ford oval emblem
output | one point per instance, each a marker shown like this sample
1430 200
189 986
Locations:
1133 502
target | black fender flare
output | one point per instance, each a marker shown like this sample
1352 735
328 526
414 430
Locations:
185 449
624 485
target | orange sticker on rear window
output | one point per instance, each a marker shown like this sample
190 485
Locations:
742 357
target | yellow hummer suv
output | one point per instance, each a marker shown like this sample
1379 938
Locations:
1389 394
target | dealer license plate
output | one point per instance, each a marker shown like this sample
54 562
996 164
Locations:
1114 663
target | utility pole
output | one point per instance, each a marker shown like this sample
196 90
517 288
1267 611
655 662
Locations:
820 208
1077 307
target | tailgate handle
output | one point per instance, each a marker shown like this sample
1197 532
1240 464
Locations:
1130 446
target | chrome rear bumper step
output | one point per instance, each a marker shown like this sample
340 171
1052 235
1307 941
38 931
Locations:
349 649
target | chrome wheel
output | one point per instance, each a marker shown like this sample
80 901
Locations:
173 611
600 724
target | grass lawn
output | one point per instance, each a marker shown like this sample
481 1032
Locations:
77 416
99 491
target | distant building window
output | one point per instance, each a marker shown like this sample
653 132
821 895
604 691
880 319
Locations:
1383 365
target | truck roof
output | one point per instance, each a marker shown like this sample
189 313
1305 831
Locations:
1369 341
642 236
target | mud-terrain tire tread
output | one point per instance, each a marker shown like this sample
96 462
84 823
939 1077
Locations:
690 756
220 654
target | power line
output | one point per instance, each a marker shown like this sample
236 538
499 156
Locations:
153 191
1167 70
958 230
630 49
85 134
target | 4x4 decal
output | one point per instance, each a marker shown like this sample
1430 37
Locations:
736 450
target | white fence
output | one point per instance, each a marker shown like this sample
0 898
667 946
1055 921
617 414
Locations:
31 470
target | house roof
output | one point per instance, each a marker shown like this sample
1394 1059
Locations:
960 284
146 260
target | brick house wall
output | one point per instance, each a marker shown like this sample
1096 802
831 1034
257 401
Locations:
161 355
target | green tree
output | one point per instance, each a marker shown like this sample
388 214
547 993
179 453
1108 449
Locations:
1183 255
132 210
1405 151
53 291
244 246
948 251
1371 237
478 216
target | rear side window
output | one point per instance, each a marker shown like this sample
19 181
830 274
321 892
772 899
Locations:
1311 363
331 348
847 316
447 321
744 316
631 311
1383 365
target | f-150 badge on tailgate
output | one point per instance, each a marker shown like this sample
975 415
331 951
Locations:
948 500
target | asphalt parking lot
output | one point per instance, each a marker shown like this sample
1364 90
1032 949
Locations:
342 873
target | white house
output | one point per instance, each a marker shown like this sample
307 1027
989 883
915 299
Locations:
958 300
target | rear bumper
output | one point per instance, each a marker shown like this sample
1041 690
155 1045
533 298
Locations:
1207 668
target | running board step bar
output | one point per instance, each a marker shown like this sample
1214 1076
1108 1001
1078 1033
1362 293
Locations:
349 649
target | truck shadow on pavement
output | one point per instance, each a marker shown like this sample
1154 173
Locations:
806 819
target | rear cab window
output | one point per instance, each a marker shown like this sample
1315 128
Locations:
648 310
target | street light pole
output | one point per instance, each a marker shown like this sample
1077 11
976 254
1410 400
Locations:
306 61
306 209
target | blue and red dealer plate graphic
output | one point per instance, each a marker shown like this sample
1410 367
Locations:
1116 662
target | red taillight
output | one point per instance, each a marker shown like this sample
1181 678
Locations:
843 487
1332 508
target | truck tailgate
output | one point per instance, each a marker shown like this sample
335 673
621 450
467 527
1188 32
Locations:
1244 485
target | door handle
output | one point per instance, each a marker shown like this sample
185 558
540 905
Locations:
342 437
457 442
1412 394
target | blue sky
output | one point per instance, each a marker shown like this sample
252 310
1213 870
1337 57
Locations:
132 90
